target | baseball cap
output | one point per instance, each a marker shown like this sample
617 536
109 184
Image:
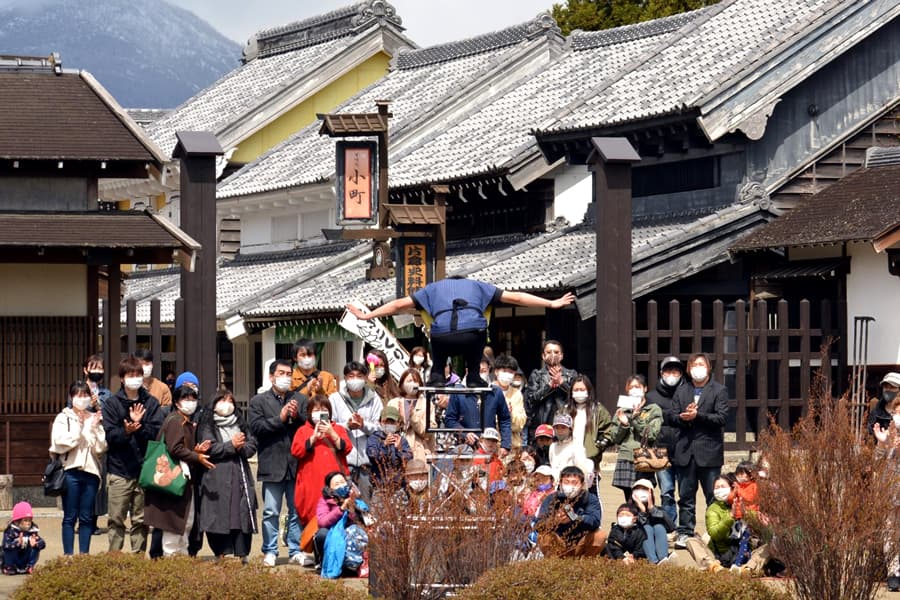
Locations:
543 430
562 419
891 378
670 362
390 412
544 470
491 434
644 483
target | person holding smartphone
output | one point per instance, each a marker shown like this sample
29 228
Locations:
388 451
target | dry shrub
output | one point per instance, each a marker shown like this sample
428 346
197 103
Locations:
117 575
827 501
425 549
577 579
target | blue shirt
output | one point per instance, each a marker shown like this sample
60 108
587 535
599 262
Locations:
462 413
457 305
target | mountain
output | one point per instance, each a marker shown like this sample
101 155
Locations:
147 53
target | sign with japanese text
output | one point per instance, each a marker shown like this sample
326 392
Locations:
374 333
415 267
356 183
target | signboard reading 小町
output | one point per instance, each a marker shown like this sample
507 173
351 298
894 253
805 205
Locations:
357 183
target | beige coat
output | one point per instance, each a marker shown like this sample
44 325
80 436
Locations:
79 444
414 427
517 415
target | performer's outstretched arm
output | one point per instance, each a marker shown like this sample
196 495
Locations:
526 299
385 310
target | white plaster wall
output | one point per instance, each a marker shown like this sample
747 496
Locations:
573 188
872 291
44 290
256 229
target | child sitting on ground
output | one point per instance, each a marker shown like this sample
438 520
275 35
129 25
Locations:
22 543
626 539
744 498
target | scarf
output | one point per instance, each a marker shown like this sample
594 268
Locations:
228 426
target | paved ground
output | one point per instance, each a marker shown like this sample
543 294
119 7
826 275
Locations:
49 520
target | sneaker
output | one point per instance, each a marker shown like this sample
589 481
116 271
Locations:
303 559
740 571
29 570
672 536
9 570
893 583
681 540
269 560
715 566
664 559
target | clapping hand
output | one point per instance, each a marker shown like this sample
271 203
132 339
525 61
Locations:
238 440
203 446
136 412
203 459
881 434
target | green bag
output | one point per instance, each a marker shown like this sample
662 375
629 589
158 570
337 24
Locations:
160 472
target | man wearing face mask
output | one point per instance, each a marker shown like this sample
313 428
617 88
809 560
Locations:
569 520
275 416
671 371
505 368
306 378
131 418
358 409
890 385
388 450
415 493
93 375
699 412
157 388
548 387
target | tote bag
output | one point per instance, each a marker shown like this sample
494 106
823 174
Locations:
159 472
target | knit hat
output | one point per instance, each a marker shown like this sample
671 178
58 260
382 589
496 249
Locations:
187 377
543 430
390 412
491 434
562 419
416 466
22 510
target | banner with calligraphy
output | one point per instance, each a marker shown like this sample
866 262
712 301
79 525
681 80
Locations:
356 183
374 333
415 264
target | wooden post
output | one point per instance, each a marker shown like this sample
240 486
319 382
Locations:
156 338
440 240
113 338
611 161
198 152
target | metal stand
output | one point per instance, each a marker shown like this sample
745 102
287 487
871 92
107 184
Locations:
431 391
858 400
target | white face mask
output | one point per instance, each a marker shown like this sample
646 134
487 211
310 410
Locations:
636 392
307 362
671 380
418 360
81 402
580 397
563 435
319 416
570 490
133 383
699 373
410 387
187 407
721 494
148 370
517 383
417 485
379 372
283 383
224 408
625 522
505 377
896 419
641 495
389 428
529 466
355 384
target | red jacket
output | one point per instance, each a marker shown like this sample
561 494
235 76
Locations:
744 496
314 465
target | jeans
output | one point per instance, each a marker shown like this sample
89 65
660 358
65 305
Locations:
656 546
666 480
21 558
78 504
273 492
126 496
689 477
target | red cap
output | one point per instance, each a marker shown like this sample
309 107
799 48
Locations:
543 430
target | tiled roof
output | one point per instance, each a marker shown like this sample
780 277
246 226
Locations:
50 116
705 53
241 90
414 92
107 230
859 208
146 116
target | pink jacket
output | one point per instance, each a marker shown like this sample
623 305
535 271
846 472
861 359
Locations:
328 512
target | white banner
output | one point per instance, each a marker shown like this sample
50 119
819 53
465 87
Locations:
376 335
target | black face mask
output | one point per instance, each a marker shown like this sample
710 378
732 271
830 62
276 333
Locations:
888 396
95 377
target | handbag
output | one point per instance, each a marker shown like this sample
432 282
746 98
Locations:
309 534
335 549
159 472
649 459
54 477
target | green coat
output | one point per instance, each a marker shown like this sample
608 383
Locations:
718 526
598 422
629 437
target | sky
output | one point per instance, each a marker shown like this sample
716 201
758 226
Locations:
427 22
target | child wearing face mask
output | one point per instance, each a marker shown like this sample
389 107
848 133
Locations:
626 539
653 520
412 406
388 451
542 482
629 427
566 451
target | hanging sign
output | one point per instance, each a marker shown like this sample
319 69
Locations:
356 183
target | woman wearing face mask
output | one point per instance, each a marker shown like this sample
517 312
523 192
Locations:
228 507
720 551
411 404
320 447
880 415
505 368
628 428
418 360
174 515
79 438
336 498
379 376
651 518
591 422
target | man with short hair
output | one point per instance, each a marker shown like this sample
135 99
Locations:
93 374
569 520
548 387
671 372
275 416
131 418
157 388
307 379
463 412
358 409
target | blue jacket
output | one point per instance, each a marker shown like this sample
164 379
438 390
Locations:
462 413
387 463
586 506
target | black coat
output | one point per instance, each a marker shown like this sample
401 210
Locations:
125 453
231 475
274 437
879 415
623 540
703 438
662 396
542 401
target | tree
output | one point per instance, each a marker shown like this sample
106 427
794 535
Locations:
593 15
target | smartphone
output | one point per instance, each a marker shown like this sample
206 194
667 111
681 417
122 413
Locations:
625 402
